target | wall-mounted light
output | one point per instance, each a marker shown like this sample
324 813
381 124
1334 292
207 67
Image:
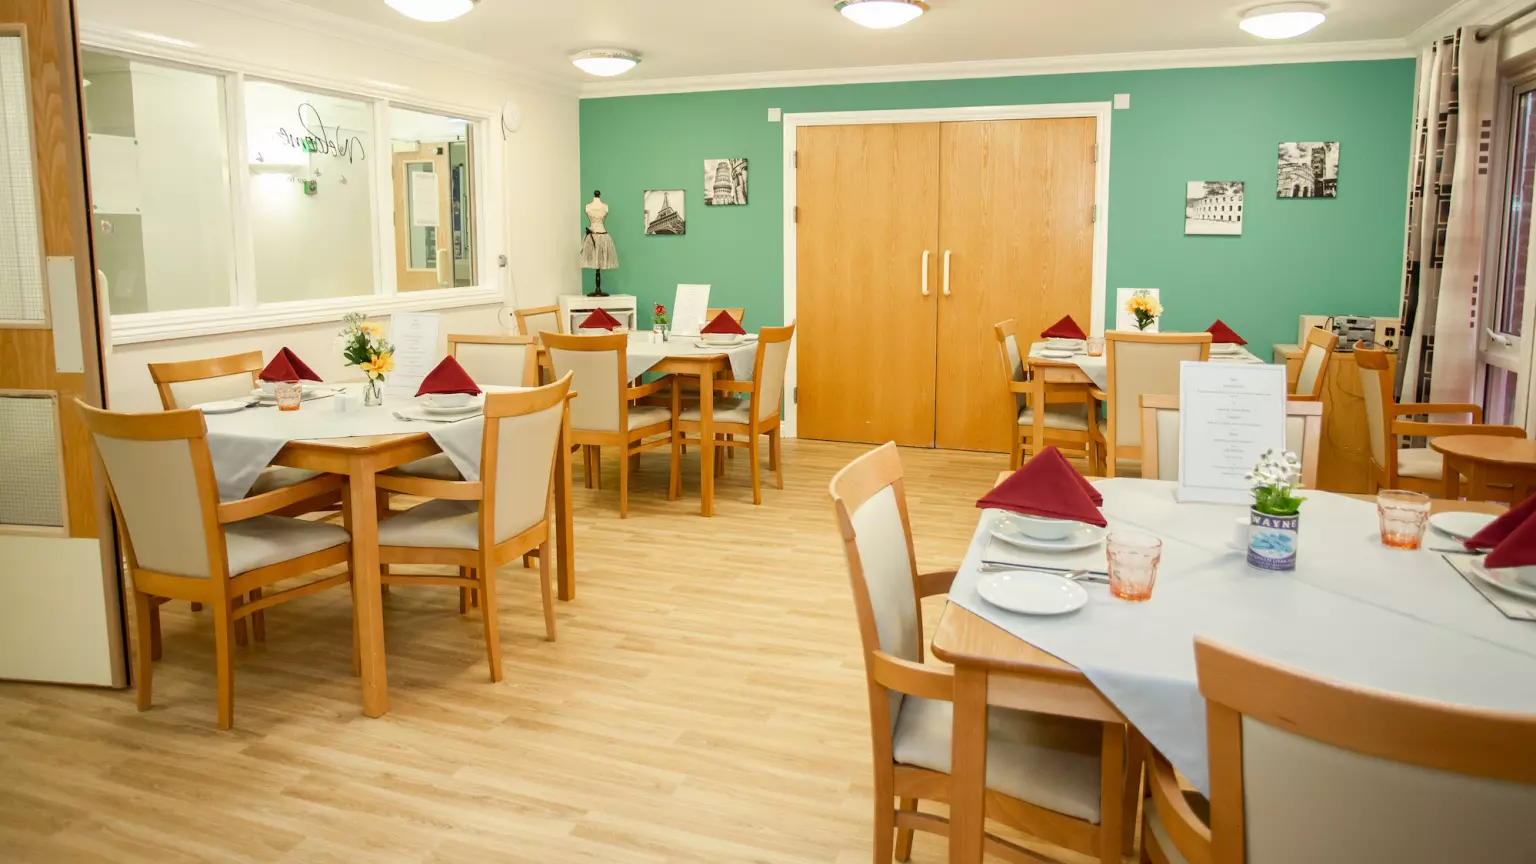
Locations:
605 62
1282 20
881 14
432 11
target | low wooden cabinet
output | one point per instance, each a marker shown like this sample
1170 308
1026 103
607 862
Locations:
1344 458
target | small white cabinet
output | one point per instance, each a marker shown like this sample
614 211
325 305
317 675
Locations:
574 308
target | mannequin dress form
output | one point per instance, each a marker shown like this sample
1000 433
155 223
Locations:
597 249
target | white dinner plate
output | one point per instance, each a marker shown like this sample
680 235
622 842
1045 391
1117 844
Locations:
1226 348
1082 538
475 404
1055 354
1030 593
1460 526
1504 579
223 406
304 396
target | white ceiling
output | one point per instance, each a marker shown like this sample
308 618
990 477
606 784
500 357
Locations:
688 38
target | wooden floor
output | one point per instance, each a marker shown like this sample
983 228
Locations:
705 703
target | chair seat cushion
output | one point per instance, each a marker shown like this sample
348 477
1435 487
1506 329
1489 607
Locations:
1051 762
648 415
1073 417
436 467
1420 462
437 524
279 477
726 411
262 541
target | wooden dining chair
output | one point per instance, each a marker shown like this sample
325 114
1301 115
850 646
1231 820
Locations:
1139 363
478 526
1066 410
737 312
602 414
1043 772
751 417
537 319
1306 769
1314 365
181 543
1418 469
497 360
1160 437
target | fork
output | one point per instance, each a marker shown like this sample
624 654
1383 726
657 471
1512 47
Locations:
1073 575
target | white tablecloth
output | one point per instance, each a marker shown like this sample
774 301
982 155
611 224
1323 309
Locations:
643 353
1353 610
1097 368
244 443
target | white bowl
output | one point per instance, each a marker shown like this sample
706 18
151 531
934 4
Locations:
1523 575
268 388
722 338
1039 527
448 400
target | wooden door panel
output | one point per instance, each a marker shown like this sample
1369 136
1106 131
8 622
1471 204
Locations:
1016 216
868 208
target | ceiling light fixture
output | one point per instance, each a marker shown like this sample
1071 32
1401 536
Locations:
432 11
605 62
881 14
1282 20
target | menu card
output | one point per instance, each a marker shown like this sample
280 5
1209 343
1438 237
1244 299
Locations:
689 309
1229 415
414 335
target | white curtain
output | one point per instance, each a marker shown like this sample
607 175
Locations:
1447 218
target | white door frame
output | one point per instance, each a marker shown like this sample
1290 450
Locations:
1100 111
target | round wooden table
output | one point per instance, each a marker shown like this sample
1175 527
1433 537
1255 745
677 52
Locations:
1485 460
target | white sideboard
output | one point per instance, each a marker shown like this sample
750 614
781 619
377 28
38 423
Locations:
574 308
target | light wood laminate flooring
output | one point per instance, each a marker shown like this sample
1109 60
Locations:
705 703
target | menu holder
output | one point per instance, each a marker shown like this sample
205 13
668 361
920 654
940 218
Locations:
1229 415
414 335
689 308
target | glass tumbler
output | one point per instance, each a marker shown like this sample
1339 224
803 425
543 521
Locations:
1096 346
289 394
1403 516
1133 558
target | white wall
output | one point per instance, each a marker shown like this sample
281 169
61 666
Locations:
541 177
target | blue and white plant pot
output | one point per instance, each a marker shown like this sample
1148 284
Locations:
1272 541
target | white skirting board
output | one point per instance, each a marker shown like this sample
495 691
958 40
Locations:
55 623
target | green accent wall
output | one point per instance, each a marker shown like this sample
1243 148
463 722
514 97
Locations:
1338 256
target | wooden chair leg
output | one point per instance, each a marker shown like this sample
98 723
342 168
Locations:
624 464
463 592
757 479
885 817
357 648
720 449
674 475
155 645
224 661
258 619
239 625
776 455
1136 763
597 466
546 592
143 650
634 463
730 452
904 835
487 577
1016 450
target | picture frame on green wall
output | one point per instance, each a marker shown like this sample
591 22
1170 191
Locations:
1308 170
665 211
725 182
1214 207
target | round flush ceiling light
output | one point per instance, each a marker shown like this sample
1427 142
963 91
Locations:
432 11
881 14
1282 20
605 62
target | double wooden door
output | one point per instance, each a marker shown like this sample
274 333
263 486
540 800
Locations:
914 239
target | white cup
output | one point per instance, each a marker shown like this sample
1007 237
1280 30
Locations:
1240 533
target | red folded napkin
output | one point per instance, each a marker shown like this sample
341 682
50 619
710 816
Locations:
1066 328
723 323
1512 537
1048 486
1221 333
287 366
600 320
448 377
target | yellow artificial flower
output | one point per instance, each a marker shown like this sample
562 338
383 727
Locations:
379 365
1144 304
372 329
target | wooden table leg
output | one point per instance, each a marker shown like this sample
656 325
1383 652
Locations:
1037 429
968 770
565 561
706 441
1451 474
1477 482
368 606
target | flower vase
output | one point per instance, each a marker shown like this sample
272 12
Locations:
1272 541
666 335
373 394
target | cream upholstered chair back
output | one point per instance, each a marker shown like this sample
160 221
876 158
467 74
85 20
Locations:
160 477
538 319
522 435
185 383
771 364
1146 363
1376 391
1314 363
501 361
598 365
1160 437
870 498
1304 769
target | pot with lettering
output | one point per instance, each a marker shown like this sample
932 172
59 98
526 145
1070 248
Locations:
1274 522
1272 541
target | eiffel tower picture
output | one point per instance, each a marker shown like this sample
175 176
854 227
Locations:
664 212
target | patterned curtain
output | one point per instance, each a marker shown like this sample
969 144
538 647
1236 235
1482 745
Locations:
1452 143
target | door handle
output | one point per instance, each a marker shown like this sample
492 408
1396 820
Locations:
946 272
926 253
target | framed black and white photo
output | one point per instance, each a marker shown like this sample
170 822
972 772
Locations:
664 212
1309 170
1214 207
725 182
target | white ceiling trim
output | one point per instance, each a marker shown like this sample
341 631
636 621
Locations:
1382 49
1464 12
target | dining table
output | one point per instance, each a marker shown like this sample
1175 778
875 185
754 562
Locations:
1485 460
1354 610
358 443
688 356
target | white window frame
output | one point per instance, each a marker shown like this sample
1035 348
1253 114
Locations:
1498 350
246 312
